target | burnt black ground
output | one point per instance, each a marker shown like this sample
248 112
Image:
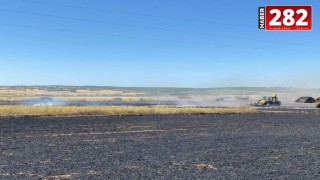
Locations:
283 145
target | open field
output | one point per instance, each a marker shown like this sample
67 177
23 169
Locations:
101 92
61 91
135 96
247 146
114 110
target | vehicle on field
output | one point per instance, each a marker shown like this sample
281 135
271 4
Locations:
307 99
266 101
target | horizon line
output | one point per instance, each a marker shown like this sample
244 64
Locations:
218 87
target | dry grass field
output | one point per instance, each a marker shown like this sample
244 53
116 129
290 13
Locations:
114 110
30 93
67 94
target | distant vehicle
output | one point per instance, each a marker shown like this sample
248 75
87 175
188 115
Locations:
307 99
268 101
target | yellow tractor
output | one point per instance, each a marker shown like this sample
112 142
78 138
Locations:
268 101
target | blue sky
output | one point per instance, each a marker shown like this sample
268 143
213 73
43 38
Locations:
163 43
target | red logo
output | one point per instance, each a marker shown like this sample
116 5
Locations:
285 18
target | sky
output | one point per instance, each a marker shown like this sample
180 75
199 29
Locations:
153 43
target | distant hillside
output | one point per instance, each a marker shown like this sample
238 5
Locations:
158 91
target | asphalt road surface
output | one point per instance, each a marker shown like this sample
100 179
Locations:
280 145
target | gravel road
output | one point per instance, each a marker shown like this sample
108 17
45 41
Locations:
282 145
